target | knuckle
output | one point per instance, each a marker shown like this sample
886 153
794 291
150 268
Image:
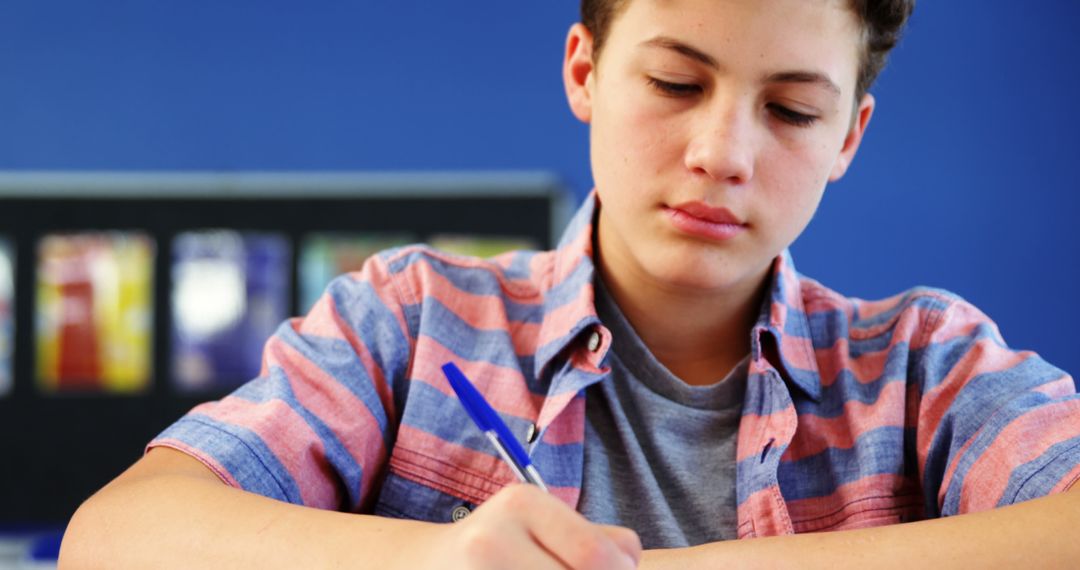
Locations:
627 537
478 545
591 552
519 497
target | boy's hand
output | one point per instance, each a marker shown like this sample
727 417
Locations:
524 527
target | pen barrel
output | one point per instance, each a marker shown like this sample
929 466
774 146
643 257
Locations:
526 473
517 468
485 418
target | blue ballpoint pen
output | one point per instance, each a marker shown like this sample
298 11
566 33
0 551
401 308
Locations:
493 427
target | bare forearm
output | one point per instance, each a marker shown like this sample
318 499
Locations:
170 511
175 521
1035 534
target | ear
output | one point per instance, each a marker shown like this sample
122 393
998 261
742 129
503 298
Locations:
853 138
578 70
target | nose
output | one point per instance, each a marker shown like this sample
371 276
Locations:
721 145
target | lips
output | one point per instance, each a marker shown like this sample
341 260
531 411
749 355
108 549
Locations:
708 213
703 221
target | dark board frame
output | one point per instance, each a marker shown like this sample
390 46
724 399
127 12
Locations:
55 450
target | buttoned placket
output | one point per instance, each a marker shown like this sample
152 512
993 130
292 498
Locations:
586 368
773 516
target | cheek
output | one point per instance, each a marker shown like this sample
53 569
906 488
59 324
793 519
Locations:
641 135
809 162
795 184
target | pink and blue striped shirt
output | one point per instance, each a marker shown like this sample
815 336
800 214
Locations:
857 413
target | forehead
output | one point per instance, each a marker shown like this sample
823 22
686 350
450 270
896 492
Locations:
754 35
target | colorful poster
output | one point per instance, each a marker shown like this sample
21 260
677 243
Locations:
230 291
7 316
94 312
480 246
325 256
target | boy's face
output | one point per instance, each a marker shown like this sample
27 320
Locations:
702 106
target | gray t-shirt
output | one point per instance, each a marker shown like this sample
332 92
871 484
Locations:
659 453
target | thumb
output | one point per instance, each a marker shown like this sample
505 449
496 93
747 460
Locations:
627 540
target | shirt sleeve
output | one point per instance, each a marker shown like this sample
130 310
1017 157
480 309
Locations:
995 426
315 427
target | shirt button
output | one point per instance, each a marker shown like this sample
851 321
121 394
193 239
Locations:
530 435
594 341
459 512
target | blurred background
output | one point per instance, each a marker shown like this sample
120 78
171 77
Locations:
965 181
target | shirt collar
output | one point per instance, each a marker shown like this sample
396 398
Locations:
570 311
569 307
783 325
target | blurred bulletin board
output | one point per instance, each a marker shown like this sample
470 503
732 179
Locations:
128 298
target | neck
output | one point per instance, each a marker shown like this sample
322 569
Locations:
698 335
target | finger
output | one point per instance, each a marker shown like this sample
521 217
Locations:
571 538
526 553
626 539
496 547
583 548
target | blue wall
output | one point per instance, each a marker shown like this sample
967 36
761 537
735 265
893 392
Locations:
965 180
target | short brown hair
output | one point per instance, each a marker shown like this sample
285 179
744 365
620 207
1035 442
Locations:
883 21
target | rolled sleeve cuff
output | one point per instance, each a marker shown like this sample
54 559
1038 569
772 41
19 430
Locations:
233 457
1055 471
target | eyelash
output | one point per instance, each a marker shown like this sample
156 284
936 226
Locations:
674 89
792 117
786 115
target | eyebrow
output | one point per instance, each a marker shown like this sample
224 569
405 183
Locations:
804 77
812 77
684 49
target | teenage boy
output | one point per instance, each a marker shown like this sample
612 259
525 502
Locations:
717 395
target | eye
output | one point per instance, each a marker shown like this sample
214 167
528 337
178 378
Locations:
674 89
791 117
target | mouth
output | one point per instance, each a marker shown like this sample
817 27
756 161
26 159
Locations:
701 220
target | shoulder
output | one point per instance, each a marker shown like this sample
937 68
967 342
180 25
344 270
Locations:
420 271
919 315
929 336
415 284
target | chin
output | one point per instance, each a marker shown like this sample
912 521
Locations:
702 275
